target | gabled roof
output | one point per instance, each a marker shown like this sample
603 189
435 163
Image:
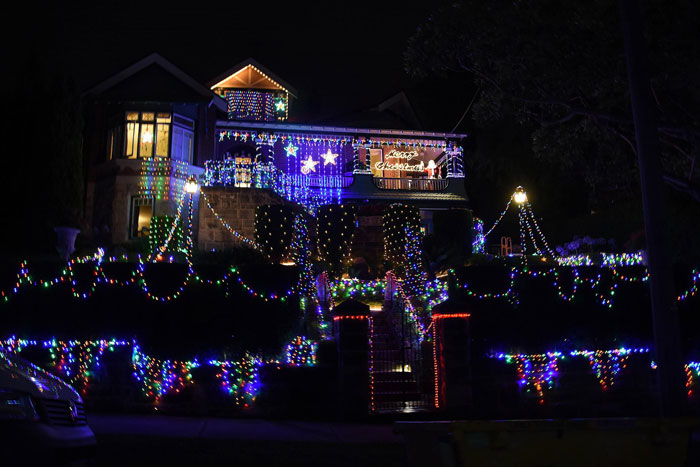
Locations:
155 59
251 74
400 105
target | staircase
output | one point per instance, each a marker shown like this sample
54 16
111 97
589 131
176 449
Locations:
396 367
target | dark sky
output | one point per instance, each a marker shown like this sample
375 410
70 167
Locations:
340 56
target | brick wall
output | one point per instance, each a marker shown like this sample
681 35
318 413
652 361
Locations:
236 206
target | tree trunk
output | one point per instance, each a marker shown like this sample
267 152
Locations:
672 400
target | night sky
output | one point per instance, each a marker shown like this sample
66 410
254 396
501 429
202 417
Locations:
340 56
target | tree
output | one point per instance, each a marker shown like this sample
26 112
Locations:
45 166
559 70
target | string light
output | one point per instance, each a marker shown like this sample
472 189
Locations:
693 288
535 371
256 105
479 242
539 372
274 231
692 372
607 364
574 260
78 362
335 230
623 259
436 318
301 352
413 261
218 217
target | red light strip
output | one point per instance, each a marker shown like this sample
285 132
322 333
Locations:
451 315
436 369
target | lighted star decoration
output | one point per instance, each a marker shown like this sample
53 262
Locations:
309 165
291 150
329 158
280 105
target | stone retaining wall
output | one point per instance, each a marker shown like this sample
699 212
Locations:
236 206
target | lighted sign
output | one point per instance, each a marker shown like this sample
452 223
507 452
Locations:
329 158
401 162
309 165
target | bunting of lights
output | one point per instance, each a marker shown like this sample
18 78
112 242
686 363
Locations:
607 364
240 380
76 360
605 294
539 372
536 372
160 377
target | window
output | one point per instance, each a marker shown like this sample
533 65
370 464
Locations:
183 139
162 134
147 134
141 213
182 144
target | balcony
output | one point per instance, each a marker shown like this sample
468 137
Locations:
411 184
314 190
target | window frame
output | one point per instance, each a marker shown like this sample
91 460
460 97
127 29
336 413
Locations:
121 133
138 201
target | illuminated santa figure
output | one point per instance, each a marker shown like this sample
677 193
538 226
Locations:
430 169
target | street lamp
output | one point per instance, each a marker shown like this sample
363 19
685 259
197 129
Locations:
520 196
191 185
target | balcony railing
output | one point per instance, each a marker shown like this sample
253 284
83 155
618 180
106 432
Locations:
411 184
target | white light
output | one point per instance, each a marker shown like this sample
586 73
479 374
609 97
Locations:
431 164
520 196
191 186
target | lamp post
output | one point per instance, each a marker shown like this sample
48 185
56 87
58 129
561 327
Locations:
520 196
191 186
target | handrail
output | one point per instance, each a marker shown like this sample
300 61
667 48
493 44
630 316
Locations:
411 184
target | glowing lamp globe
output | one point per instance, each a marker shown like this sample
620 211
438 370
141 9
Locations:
520 196
191 186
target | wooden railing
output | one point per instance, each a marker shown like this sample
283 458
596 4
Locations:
411 184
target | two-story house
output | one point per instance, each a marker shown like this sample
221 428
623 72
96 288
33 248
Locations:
151 126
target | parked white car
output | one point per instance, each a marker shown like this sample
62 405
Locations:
42 419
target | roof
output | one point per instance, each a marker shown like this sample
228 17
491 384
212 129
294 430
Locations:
394 112
156 59
259 77
297 127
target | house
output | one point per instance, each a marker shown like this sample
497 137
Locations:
151 127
